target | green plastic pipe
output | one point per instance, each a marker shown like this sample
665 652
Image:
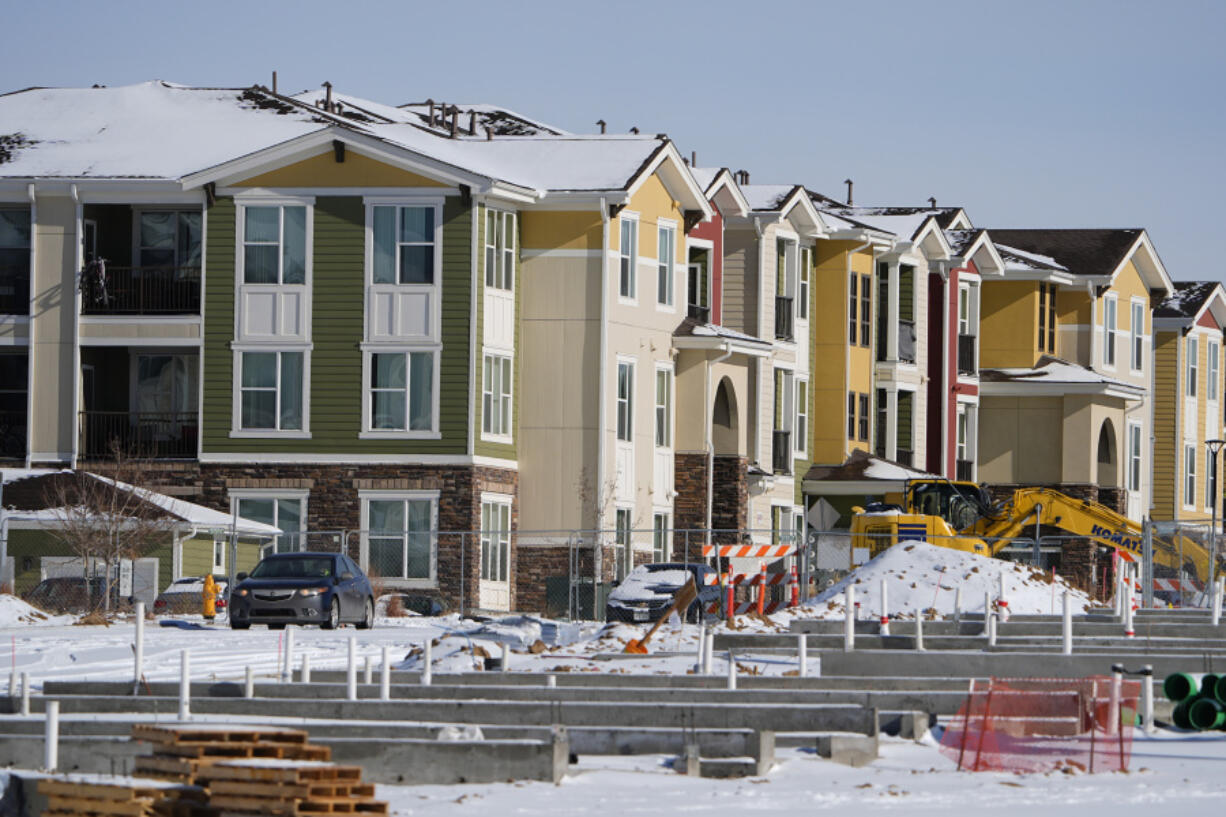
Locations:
1219 689
1179 716
1208 683
1178 687
1206 713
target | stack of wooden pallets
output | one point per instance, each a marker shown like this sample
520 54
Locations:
180 752
98 796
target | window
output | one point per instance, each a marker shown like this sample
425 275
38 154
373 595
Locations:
664 408
863 424
801 432
882 421
400 536
1109 326
165 385
851 415
404 244
1189 475
852 312
271 391
964 310
696 285
625 401
866 310
1046 344
629 254
1193 350
659 537
802 287
499 250
402 391
1134 457
1211 375
666 252
171 238
963 437
496 396
15 261
1137 330
623 555
1051 318
286 513
219 555
274 245
495 540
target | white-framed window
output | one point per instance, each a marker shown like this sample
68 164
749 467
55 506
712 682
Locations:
274 239
1189 476
628 256
219 555
403 243
801 430
1110 304
660 531
1212 371
1134 456
495 538
496 384
281 509
802 284
272 390
623 556
625 400
401 391
400 538
1136 331
170 240
664 408
1193 365
962 449
666 253
499 250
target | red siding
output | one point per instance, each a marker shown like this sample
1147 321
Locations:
713 231
936 375
1207 320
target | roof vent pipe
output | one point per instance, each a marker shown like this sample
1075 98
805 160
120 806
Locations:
274 82
848 182
430 102
328 96
932 202
472 123
693 158
455 120
634 129
489 134
602 125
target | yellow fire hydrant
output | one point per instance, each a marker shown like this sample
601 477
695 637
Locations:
210 598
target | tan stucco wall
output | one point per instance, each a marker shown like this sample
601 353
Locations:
53 381
1020 439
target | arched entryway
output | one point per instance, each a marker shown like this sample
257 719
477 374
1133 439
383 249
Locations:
724 420
1107 471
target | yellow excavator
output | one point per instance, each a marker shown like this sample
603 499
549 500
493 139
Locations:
959 515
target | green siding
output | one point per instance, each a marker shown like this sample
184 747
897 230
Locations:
336 333
906 400
197 556
481 447
906 292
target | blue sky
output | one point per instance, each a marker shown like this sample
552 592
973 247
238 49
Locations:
1029 114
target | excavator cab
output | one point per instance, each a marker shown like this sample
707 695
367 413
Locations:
960 504
933 510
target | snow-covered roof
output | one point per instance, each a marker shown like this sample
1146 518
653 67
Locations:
1055 376
869 474
769 197
499 120
1020 260
904 222
705 176
1188 299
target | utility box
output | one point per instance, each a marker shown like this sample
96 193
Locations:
564 600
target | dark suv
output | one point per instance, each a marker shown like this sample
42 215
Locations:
303 588
69 594
648 591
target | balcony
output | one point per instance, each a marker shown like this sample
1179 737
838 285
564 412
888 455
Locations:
781 451
966 354
12 435
906 341
783 318
14 291
157 435
142 291
964 470
702 314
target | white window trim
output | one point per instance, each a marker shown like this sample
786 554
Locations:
499 253
1191 366
368 433
800 443
631 419
364 498
308 286
489 436
670 408
1213 379
236 429
1111 305
1130 427
1136 333
804 273
668 532
507 501
435 288
300 494
663 225
623 217
1189 473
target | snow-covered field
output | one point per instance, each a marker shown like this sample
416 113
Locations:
1169 770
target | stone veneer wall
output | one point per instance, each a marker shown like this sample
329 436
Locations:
730 505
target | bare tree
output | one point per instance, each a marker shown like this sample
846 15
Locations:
104 516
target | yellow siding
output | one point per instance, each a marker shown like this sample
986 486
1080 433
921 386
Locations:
1167 449
560 230
324 171
1009 321
651 202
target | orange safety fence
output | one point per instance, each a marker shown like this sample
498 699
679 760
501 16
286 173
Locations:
1043 724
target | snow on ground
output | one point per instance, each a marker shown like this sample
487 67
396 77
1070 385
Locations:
14 612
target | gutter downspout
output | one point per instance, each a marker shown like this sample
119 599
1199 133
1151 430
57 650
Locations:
601 411
30 311
709 442
847 346
757 390
76 331
951 290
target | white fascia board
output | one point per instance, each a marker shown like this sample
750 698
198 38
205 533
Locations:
716 344
858 487
863 235
800 199
931 229
724 182
983 245
1049 276
676 178
1154 268
577 199
1119 391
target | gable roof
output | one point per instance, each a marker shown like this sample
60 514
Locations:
908 223
1189 302
783 199
718 182
1053 376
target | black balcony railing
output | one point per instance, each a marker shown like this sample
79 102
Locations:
14 291
141 291
783 318
12 435
904 457
964 470
159 435
702 314
781 452
966 354
906 341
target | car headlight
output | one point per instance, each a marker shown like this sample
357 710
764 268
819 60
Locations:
312 591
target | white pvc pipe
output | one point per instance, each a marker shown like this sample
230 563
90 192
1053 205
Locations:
505 664
1216 614
709 654
885 609
919 630
1147 699
1129 629
849 619
427 670
702 648
185 685
1001 602
351 671
385 676
991 629
987 608
958 605
288 671
25 693
1113 710
731 670
551 681
305 674
249 684
1067 625
138 648
368 670
51 737
802 655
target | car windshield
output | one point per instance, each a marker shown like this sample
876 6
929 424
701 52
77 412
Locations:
296 567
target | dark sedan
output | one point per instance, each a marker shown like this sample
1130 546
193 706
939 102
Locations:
327 589
648 591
